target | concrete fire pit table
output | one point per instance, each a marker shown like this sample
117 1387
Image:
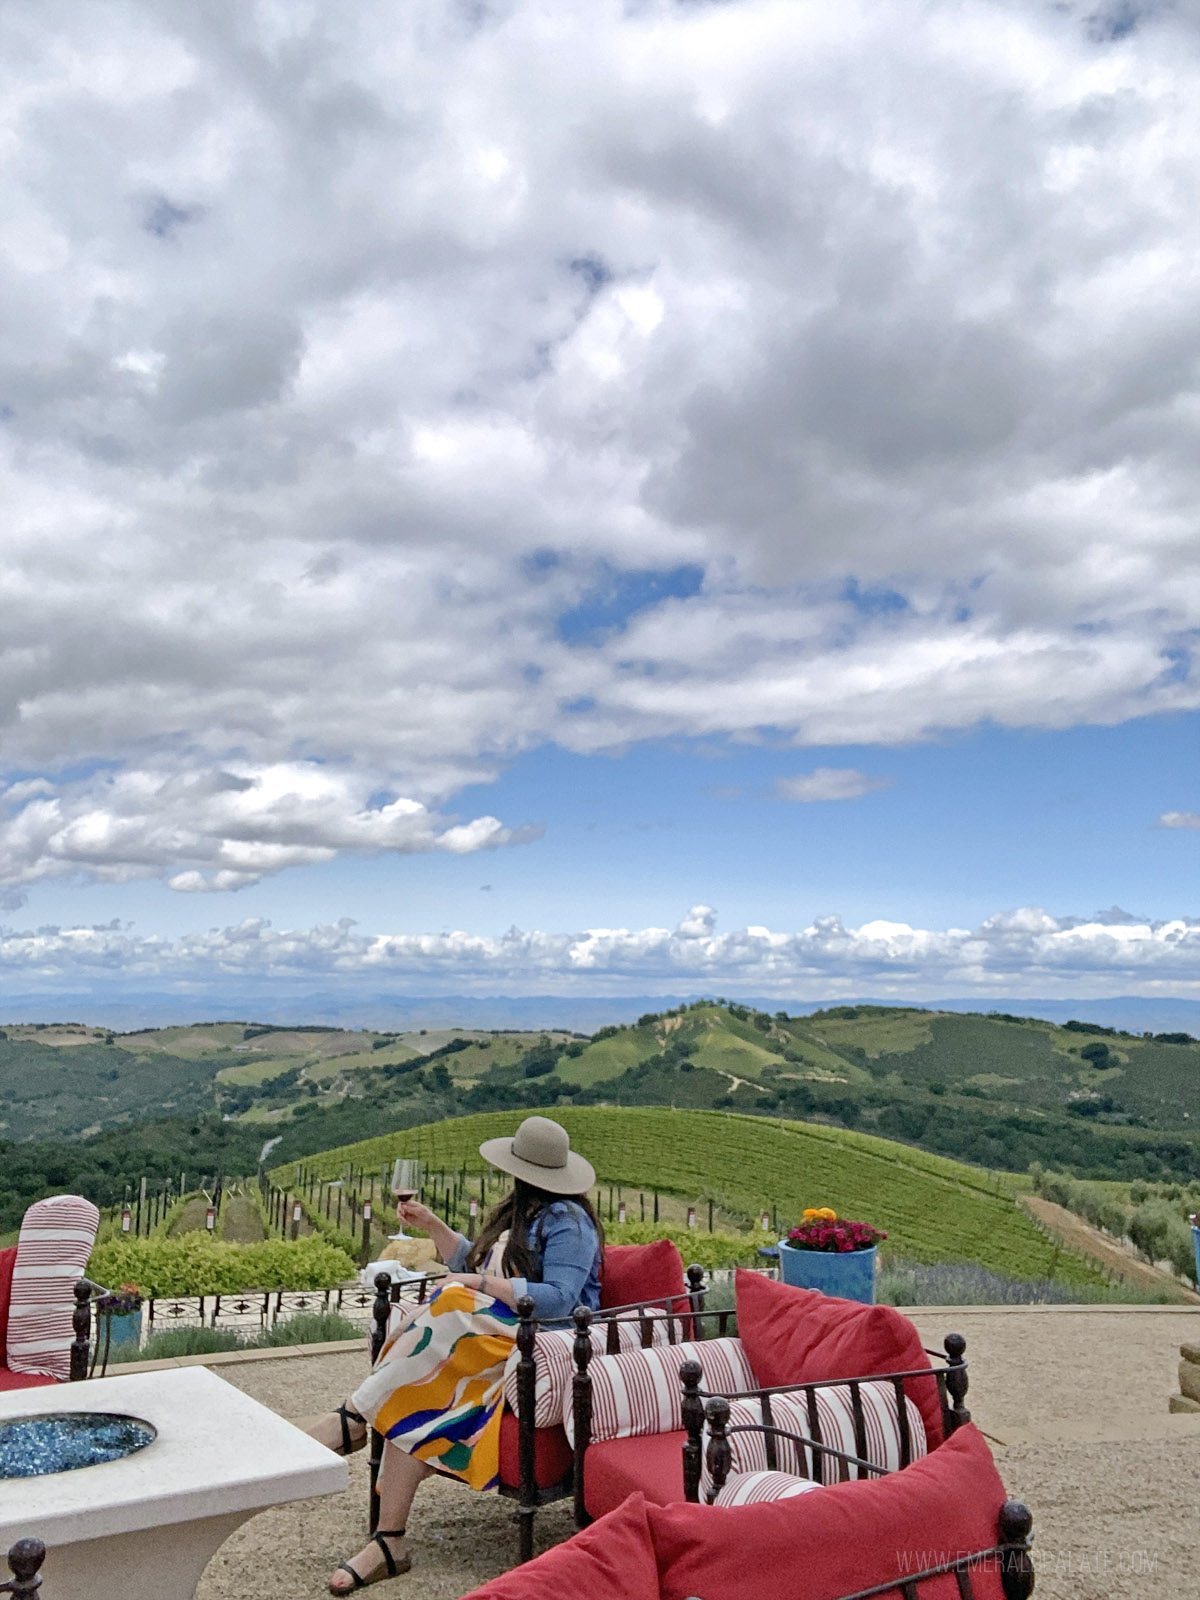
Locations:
203 1457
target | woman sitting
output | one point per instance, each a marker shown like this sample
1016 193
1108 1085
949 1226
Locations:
436 1391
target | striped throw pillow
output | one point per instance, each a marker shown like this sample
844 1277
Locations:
55 1242
554 1357
752 1488
639 1392
835 1420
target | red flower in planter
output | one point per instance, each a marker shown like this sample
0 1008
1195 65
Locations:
836 1235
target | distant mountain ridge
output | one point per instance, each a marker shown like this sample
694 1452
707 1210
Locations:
577 1013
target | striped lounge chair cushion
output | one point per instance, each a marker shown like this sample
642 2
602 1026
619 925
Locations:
55 1242
639 1392
555 1363
835 1427
752 1488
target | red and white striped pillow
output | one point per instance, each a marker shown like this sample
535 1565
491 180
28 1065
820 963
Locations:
55 1242
639 1392
753 1488
835 1417
554 1360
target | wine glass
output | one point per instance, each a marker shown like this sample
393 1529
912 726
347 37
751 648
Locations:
406 1181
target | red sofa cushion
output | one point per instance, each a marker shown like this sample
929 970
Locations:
838 1540
22 1380
631 1273
8 1260
552 1455
611 1560
802 1336
651 1465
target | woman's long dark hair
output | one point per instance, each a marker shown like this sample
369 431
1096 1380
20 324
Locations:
517 1212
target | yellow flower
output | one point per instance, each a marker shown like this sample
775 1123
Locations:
822 1212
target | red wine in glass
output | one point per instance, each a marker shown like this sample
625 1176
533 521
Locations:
406 1181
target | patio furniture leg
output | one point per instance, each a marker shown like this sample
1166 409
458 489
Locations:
956 1379
24 1559
1016 1575
81 1321
692 1410
720 1456
380 1313
581 1404
526 1402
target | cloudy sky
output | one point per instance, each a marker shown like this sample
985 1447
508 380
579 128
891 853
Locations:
557 495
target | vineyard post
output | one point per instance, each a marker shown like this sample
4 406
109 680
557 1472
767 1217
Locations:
642 1204
656 1205
710 1216
341 1191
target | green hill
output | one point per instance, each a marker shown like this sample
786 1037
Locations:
932 1208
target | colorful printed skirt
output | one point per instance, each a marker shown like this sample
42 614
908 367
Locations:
437 1390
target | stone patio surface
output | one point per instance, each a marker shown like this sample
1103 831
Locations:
1074 1401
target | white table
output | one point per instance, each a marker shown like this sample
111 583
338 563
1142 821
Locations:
145 1527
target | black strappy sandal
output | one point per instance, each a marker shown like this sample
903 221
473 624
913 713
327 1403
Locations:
393 1568
346 1415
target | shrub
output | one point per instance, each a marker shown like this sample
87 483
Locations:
309 1327
194 1264
709 1250
962 1283
175 1342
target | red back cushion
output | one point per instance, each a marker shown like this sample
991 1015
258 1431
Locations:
635 1272
841 1539
8 1260
614 1559
802 1336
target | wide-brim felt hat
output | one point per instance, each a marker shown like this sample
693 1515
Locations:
540 1153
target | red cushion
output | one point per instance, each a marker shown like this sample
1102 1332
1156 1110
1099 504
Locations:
23 1380
552 1455
631 1273
839 1540
8 1260
651 1465
802 1336
611 1560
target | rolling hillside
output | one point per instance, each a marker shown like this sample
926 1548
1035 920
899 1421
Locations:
933 1209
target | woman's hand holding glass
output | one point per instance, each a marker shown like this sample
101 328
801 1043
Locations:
417 1215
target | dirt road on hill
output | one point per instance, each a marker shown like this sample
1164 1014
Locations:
1080 1235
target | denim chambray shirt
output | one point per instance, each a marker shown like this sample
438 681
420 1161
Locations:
566 1255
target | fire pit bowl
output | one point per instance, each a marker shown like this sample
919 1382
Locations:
64 1441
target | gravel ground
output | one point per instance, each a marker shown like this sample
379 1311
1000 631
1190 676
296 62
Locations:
1073 1402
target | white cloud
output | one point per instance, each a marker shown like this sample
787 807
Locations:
218 829
1026 951
1179 819
348 348
828 783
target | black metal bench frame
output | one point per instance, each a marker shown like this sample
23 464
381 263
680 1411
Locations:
526 1492
1014 1534
694 1326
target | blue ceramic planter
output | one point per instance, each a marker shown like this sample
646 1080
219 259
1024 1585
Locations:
848 1275
127 1329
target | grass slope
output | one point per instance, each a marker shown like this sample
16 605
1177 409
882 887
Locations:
932 1208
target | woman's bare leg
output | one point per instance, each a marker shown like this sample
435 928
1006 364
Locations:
398 1482
399 1479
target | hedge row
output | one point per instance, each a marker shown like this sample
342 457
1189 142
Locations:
193 1263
